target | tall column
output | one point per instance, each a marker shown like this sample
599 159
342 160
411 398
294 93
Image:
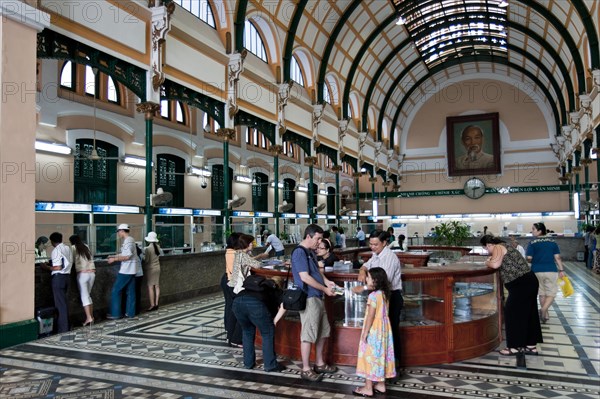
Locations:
357 176
19 25
597 151
310 161
386 184
373 180
569 175
576 170
149 109
586 161
226 135
337 169
276 150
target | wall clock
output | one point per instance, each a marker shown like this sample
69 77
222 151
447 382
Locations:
474 188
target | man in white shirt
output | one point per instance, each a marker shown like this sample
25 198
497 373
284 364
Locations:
274 242
126 277
60 266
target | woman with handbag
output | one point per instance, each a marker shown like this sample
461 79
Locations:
242 262
255 307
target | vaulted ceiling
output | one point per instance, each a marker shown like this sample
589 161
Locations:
550 46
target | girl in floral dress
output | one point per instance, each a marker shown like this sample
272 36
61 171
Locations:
376 347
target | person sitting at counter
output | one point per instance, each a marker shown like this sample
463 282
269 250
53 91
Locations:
400 244
522 322
315 326
325 255
383 257
273 241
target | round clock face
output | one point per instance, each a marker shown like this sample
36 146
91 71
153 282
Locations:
474 188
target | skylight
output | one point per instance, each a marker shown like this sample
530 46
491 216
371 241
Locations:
445 29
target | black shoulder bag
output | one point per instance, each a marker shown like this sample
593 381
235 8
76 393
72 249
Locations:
294 298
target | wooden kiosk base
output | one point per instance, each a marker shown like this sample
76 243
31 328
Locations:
451 314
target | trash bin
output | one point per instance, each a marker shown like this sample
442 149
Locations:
580 256
45 317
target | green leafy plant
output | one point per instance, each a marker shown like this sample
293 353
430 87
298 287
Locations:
451 233
284 236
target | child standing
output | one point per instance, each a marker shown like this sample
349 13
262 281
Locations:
376 347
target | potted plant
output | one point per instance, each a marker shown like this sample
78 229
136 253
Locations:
451 233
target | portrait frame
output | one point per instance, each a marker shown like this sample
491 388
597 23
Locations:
458 153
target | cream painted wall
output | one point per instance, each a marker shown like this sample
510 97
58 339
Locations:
53 177
17 138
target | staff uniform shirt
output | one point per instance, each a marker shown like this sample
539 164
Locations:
302 263
360 235
275 242
542 251
62 253
128 249
389 262
343 240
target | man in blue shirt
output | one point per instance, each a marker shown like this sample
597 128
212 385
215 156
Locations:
315 326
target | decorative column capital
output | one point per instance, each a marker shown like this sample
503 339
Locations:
310 161
336 168
373 180
148 108
226 134
357 174
276 150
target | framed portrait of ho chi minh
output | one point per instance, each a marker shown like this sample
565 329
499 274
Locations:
473 145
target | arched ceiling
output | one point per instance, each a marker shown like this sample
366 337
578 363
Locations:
548 45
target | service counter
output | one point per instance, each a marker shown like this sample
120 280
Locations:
451 313
415 258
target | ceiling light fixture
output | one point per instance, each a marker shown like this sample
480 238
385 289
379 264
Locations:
401 20
503 4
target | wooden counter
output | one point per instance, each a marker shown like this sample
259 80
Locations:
434 292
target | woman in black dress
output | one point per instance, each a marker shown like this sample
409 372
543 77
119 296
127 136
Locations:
522 322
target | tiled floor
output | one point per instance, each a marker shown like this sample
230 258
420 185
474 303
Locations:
179 352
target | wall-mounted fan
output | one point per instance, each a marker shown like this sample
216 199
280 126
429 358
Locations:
319 207
284 207
161 197
236 202
344 211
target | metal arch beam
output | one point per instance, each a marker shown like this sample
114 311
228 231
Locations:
548 74
353 68
291 37
549 49
327 53
238 25
566 35
553 54
375 78
439 68
528 32
591 30
328 152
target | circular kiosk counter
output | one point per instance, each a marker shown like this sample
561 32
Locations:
451 313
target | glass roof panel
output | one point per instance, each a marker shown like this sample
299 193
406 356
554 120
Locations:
452 28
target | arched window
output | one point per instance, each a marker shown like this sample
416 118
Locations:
173 111
296 72
256 138
67 76
201 9
169 176
330 200
210 125
104 89
260 194
326 94
95 182
289 193
253 42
